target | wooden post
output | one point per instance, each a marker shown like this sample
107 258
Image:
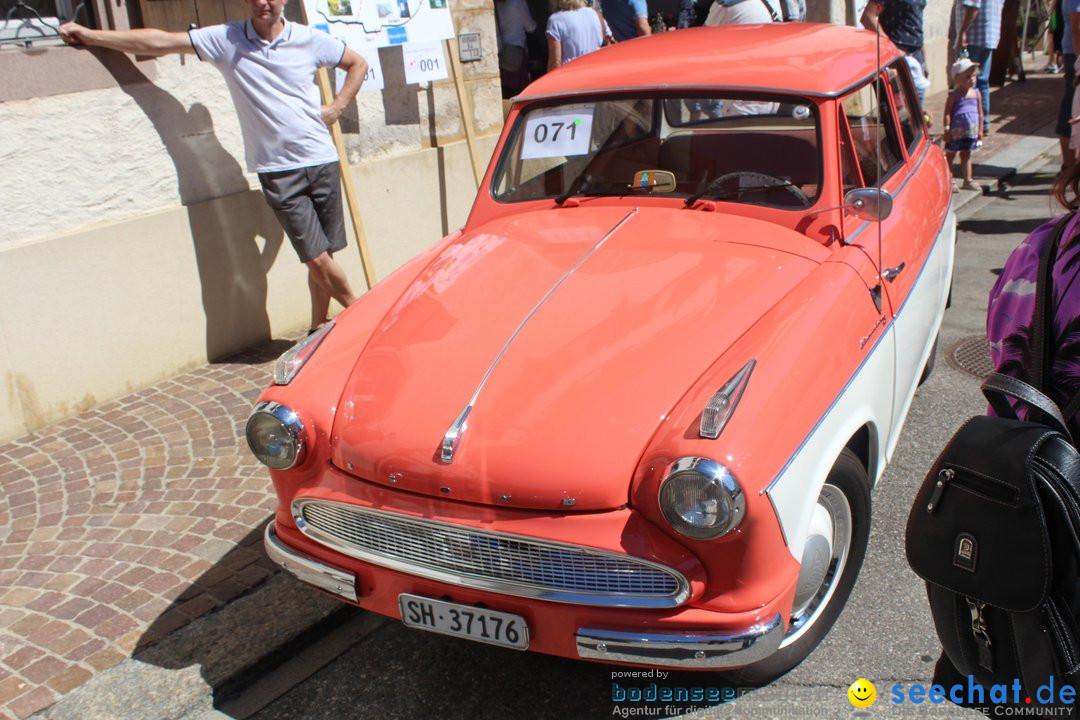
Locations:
351 198
465 107
348 184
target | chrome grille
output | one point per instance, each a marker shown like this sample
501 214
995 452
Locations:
509 564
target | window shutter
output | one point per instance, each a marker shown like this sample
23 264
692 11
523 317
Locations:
178 15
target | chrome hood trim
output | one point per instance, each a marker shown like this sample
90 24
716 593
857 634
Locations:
457 429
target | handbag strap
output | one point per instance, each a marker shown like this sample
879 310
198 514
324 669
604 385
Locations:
998 387
772 13
1042 321
1043 318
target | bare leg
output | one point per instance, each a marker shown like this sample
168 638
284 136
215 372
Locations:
965 165
327 279
320 301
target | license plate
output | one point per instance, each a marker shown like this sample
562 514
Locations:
480 624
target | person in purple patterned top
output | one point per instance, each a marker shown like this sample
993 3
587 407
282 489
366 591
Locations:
1012 305
1008 329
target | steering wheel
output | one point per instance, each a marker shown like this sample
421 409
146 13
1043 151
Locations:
760 181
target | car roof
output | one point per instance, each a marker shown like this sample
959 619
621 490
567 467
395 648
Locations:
806 58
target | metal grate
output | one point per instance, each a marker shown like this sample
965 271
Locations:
972 355
37 22
510 564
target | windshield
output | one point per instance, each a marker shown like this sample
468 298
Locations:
735 148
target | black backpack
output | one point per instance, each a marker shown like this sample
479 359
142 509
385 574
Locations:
995 533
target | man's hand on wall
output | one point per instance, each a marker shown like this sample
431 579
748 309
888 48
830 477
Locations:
73 33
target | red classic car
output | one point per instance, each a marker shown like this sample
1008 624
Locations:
633 410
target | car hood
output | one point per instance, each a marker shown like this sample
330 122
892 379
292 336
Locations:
569 334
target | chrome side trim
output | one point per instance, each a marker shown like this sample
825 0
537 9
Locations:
453 436
683 650
308 570
433 536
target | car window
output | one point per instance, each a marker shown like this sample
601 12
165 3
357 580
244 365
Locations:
873 133
849 168
736 148
907 105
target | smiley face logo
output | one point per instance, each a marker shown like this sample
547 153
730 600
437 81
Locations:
862 693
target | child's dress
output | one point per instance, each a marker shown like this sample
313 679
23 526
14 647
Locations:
964 122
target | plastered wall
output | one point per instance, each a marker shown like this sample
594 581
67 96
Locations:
133 242
92 314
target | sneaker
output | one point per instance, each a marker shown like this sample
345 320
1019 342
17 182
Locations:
971 185
1052 68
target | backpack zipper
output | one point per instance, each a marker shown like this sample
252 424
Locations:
982 637
982 486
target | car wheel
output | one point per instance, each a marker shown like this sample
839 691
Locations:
834 550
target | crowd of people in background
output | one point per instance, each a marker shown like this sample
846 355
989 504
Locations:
577 27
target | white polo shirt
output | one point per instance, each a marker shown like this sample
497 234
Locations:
274 91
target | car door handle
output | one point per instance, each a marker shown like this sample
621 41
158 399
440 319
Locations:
891 273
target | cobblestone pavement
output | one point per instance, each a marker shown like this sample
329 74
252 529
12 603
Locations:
125 523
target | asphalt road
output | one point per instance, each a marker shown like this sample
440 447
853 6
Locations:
884 635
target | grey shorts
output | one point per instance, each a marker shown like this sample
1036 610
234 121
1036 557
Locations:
307 202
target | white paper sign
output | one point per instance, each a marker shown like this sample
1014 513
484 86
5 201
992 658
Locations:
382 23
374 78
424 62
558 132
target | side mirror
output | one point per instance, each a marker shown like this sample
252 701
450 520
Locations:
869 203
653 181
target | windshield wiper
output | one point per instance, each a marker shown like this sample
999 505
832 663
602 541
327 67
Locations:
698 195
754 188
738 193
579 185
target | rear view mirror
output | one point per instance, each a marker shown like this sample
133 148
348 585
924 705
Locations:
654 181
869 203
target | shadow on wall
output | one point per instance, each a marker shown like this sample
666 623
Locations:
235 241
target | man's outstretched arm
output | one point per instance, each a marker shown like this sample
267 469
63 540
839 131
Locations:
143 41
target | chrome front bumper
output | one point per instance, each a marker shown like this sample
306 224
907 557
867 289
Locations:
309 570
678 650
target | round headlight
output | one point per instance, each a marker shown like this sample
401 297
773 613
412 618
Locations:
701 499
275 436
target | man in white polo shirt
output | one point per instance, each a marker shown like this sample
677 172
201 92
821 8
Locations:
269 66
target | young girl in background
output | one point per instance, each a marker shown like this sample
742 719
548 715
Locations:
963 120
